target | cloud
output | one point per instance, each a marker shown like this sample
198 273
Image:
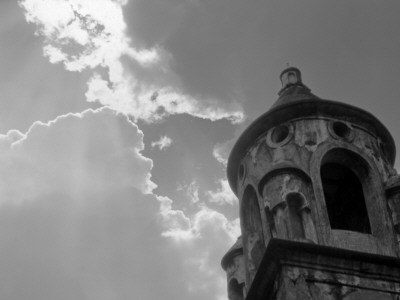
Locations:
75 152
79 215
223 195
79 218
163 143
191 191
221 151
198 226
202 239
84 34
80 34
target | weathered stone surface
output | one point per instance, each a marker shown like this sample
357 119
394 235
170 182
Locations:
318 172
233 264
294 168
393 195
367 295
292 270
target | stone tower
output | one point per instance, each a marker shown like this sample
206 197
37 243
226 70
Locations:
319 202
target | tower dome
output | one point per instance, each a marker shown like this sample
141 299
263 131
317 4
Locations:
296 101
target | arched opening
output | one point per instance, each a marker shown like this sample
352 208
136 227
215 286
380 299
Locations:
343 175
252 225
235 290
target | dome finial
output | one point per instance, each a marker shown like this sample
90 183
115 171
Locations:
293 88
290 76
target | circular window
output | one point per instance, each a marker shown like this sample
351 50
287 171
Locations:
279 135
341 130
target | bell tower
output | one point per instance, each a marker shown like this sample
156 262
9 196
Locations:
319 202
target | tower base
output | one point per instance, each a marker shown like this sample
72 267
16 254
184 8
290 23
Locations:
294 270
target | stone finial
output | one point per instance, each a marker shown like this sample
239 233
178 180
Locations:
290 76
293 88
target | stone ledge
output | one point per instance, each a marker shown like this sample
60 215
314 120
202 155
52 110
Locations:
295 270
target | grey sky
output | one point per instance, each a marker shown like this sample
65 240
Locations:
88 207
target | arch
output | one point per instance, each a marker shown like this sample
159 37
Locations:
343 174
250 210
282 169
366 170
252 231
289 204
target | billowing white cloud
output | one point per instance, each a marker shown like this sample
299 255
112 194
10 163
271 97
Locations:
78 213
79 219
183 228
75 152
223 195
191 191
204 236
163 143
80 33
87 34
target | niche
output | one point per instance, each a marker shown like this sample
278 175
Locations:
288 197
295 203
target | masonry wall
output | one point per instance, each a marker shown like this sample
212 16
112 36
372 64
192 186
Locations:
302 284
283 171
299 271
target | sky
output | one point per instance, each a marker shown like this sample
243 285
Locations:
117 118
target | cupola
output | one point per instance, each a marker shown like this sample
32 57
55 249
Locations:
319 202
290 77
